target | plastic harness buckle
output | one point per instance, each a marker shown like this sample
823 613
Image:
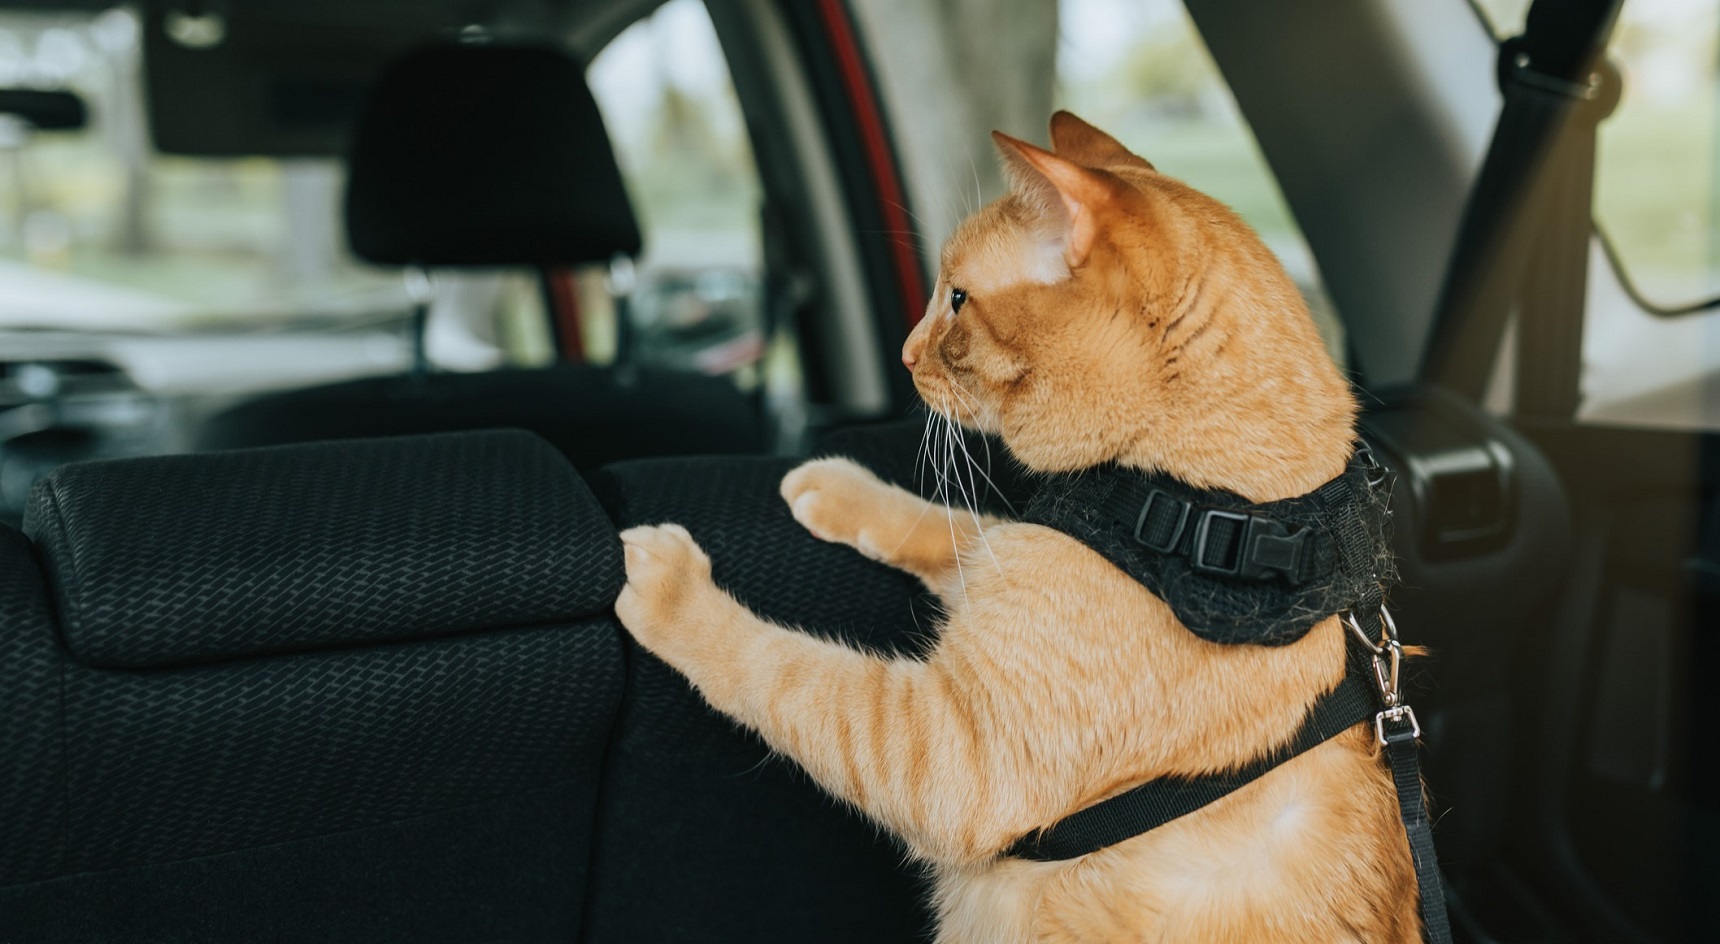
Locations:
1163 519
1251 547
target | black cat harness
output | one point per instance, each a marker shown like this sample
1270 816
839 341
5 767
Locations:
1239 572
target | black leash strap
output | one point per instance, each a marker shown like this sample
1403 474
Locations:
1157 802
1400 747
1396 729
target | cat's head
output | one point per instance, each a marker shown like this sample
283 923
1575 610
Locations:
1102 311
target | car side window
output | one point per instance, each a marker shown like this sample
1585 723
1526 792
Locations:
1649 351
1649 354
1140 71
675 122
1655 180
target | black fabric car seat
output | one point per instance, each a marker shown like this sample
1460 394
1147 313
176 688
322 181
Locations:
374 691
703 834
480 155
353 691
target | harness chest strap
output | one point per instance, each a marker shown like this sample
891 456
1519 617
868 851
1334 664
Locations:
1157 802
1233 571
1238 572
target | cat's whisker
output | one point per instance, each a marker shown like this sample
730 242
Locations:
933 462
922 461
953 441
973 503
924 509
958 440
940 493
911 214
973 413
926 451
923 458
986 440
949 509
978 194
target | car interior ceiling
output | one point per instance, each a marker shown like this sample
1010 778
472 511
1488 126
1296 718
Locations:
366 683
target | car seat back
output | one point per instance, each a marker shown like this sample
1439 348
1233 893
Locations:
349 691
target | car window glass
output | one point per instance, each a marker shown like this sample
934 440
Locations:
1656 166
98 230
1656 201
664 89
1657 219
1140 71
100 233
1503 17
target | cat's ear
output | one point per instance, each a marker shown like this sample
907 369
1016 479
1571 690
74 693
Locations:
1081 142
1071 195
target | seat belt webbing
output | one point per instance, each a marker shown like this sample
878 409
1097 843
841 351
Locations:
1535 180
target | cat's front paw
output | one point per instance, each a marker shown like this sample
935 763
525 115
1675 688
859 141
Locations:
668 575
831 499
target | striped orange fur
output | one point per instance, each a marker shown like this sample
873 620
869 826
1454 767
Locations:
1111 313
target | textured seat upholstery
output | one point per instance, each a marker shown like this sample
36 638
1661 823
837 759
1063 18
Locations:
268 551
703 835
32 761
405 753
355 691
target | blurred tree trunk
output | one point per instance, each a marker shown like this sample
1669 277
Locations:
951 71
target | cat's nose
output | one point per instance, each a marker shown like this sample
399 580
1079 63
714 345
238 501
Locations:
915 345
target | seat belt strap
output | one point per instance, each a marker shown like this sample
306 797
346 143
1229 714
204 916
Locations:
1553 287
1549 101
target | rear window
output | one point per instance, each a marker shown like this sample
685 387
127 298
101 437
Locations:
100 234
98 231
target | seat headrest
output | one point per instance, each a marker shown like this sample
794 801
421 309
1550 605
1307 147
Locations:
181 559
485 155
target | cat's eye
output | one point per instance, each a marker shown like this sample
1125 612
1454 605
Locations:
958 298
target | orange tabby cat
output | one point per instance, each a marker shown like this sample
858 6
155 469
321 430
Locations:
1099 312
